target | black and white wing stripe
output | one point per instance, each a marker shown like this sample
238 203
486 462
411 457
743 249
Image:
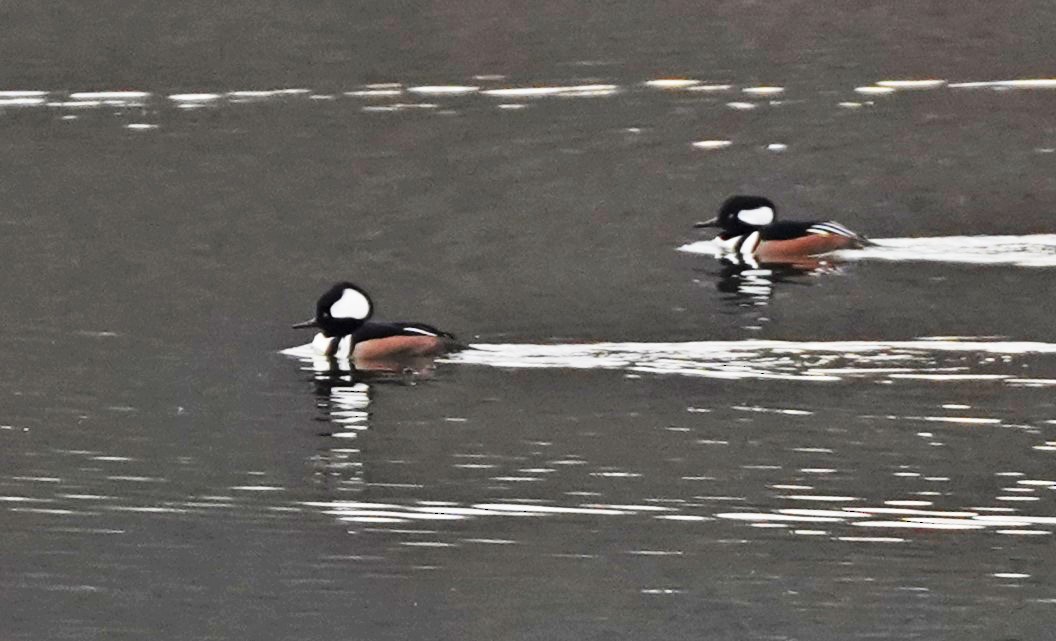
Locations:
832 228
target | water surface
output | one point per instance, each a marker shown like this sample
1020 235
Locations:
645 442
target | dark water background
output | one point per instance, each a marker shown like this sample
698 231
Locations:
164 472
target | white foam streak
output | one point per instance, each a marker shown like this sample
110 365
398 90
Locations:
963 420
671 83
194 97
21 101
76 104
1024 83
112 96
750 359
949 377
911 84
763 91
1034 382
443 90
400 106
1031 250
712 144
253 95
710 88
919 525
540 92
874 91
528 509
374 93
1034 250
762 517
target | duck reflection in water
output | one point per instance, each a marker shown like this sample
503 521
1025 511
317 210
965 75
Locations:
343 391
752 285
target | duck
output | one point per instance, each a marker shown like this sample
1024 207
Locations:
346 331
751 232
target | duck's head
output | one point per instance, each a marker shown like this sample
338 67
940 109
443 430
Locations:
340 311
743 214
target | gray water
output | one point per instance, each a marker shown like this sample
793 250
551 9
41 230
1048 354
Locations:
165 472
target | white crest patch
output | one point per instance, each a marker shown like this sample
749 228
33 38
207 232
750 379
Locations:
759 216
352 304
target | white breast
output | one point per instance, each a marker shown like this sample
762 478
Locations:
322 345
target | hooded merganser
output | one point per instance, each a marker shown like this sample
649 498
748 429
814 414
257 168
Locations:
750 230
342 314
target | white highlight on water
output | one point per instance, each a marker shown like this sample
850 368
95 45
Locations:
443 90
874 91
401 106
374 93
20 101
710 88
194 97
115 97
270 93
671 83
1024 83
539 92
712 144
911 84
763 91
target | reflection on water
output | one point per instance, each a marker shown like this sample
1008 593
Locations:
688 481
802 499
750 286
496 88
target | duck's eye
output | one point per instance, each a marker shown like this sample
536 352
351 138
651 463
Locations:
759 216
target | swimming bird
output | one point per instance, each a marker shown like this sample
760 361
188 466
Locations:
751 231
342 316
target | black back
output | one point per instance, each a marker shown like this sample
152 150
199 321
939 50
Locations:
372 330
785 230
